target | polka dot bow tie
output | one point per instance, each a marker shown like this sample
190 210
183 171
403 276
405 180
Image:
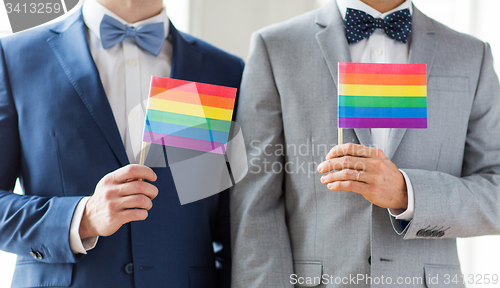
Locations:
360 25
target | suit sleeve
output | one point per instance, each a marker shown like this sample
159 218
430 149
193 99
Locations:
469 205
28 223
262 254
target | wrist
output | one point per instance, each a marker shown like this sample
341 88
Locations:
86 229
404 194
404 201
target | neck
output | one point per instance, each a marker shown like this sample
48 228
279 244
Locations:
133 10
383 6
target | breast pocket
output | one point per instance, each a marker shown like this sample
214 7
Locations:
31 273
449 103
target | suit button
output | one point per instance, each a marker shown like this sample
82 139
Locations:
36 254
427 233
440 234
421 233
129 268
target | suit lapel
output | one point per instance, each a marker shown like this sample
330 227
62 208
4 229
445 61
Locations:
423 45
333 44
71 50
187 59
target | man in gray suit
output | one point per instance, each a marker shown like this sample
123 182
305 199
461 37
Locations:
415 191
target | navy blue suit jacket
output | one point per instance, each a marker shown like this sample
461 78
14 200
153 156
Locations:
59 137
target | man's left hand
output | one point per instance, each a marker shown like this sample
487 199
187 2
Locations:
366 171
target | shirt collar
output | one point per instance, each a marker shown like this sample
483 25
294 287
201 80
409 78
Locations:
358 5
93 12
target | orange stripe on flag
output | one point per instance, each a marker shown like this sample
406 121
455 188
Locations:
156 90
382 79
193 98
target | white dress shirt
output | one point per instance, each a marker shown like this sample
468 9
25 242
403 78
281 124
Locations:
125 71
380 48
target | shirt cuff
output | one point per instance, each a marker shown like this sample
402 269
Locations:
78 245
407 214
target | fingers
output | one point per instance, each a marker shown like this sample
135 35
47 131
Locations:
138 187
130 215
356 150
135 201
349 185
346 175
133 171
345 162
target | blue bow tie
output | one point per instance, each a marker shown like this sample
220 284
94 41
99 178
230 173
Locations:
149 37
360 25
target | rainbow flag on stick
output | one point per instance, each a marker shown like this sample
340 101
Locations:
189 115
382 95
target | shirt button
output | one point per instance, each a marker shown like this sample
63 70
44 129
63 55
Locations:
378 52
131 62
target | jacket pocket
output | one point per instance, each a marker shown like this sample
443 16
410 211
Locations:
446 276
200 277
39 274
308 273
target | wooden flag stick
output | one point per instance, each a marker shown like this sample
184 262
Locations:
143 155
341 136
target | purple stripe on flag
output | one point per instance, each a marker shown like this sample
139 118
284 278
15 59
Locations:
411 123
182 142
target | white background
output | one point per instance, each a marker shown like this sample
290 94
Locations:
228 24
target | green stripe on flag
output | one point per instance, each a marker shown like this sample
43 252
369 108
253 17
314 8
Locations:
190 121
374 101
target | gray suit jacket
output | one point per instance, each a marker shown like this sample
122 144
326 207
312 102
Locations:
285 222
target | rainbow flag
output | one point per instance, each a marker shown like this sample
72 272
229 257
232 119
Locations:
189 115
382 95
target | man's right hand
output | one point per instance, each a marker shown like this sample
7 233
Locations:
119 198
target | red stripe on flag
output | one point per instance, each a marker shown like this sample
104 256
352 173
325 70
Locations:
207 89
376 68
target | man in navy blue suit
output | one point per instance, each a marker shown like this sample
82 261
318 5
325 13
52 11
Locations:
68 98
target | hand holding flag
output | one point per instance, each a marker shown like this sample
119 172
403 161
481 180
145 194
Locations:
366 171
375 96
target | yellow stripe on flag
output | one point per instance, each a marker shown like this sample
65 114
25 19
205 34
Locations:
190 109
383 90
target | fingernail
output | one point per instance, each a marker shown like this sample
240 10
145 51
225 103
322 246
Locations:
320 168
323 178
330 185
